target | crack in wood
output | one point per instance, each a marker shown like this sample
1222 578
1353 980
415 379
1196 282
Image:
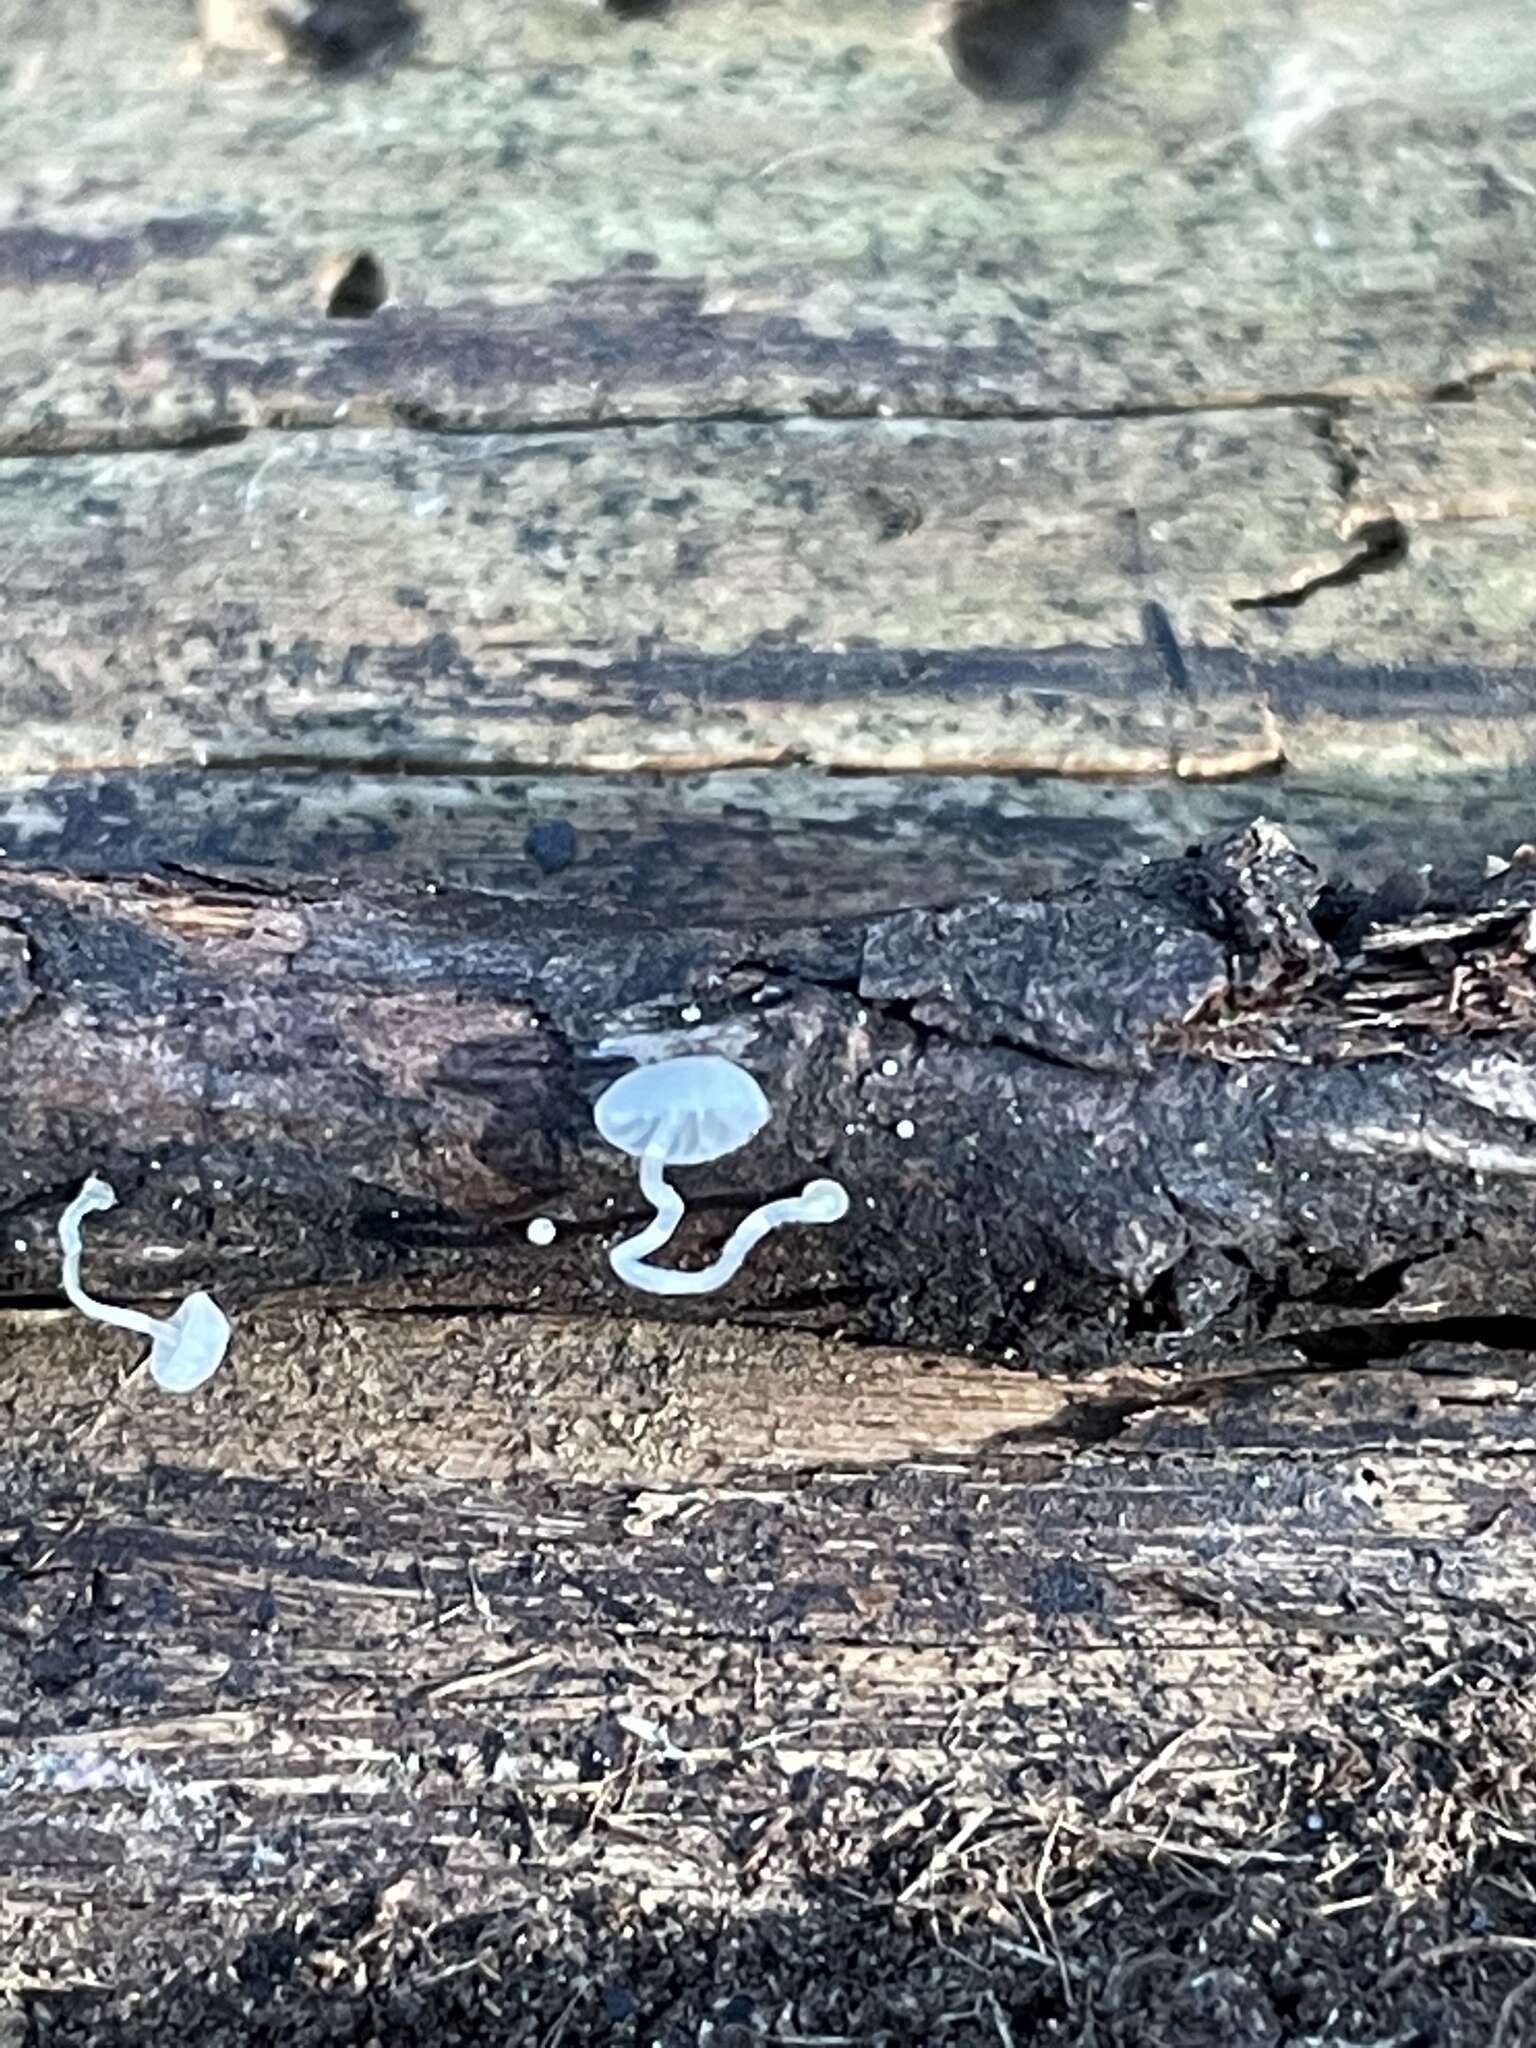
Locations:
409 416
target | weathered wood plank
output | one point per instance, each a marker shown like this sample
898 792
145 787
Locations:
870 596
310 1724
867 596
753 206
899 597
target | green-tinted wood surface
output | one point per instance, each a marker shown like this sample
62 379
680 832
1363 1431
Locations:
751 204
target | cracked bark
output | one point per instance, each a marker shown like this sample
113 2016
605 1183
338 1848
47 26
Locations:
1210 1106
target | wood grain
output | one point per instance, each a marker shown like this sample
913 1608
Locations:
1041 599
328 1726
398 711
1282 397
735 846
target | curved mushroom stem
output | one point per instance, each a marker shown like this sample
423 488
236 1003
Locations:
185 1350
819 1201
94 1196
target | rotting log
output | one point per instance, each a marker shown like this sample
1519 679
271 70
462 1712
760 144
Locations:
487 1656
1210 1105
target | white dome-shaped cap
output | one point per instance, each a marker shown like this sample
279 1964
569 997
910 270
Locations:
192 1347
685 1111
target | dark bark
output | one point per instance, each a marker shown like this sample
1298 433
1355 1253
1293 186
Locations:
1210 1103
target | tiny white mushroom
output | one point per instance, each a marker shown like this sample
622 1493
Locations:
541 1230
685 1112
185 1350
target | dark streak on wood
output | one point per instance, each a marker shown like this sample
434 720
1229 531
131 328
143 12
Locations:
32 256
723 847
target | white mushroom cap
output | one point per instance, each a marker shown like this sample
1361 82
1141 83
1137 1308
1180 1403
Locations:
192 1345
683 1111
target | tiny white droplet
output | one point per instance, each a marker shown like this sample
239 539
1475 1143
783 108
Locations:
906 1128
20 1243
890 1068
541 1231
690 1013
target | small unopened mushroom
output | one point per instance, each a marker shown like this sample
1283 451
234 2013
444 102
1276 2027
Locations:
685 1112
185 1350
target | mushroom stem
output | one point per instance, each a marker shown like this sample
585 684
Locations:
819 1201
96 1195
183 1351
627 1258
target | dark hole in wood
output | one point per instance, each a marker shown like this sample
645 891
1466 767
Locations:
360 290
1030 49
893 514
1367 1343
346 35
